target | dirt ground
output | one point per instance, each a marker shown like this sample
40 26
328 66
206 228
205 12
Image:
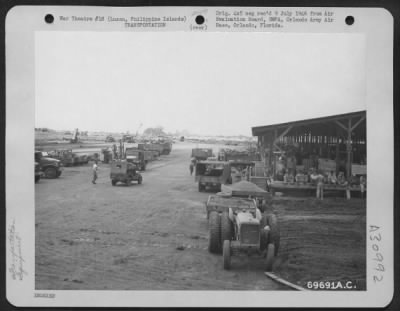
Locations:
154 236
322 240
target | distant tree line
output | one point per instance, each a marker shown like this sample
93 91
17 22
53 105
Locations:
154 131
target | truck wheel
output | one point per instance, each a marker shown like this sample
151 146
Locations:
274 234
270 257
140 180
113 182
201 187
226 228
214 227
50 172
226 253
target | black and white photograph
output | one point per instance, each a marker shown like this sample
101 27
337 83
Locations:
200 151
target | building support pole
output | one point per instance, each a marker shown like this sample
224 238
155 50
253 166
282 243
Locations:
273 147
348 149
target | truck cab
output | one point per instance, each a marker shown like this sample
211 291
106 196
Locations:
52 168
212 174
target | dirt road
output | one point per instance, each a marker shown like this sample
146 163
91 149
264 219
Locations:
142 237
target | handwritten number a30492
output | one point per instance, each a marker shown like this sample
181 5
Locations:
376 237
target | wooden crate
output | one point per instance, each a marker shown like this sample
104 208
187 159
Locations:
359 169
327 165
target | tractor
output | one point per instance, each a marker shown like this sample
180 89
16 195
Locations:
237 227
124 171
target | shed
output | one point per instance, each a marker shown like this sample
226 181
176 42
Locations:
335 142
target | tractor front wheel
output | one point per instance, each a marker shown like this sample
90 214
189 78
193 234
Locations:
264 234
140 179
274 233
226 253
270 257
226 228
214 224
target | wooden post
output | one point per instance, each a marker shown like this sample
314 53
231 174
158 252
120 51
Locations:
336 140
273 147
348 149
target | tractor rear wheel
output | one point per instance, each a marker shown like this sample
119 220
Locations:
226 253
214 227
270 257
226 228
274 233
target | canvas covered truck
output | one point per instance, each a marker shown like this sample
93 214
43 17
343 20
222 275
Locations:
237 227
241 170
201 154
69 158
154 149
52 168
166 147
138 157
212 174
238 155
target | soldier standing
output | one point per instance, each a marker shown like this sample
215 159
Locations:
95 168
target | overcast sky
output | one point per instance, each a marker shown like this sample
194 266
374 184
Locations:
207 83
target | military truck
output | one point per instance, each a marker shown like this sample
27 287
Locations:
212 174
52 168
138 157
201 154
125 172
155 149
237 226
166 147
